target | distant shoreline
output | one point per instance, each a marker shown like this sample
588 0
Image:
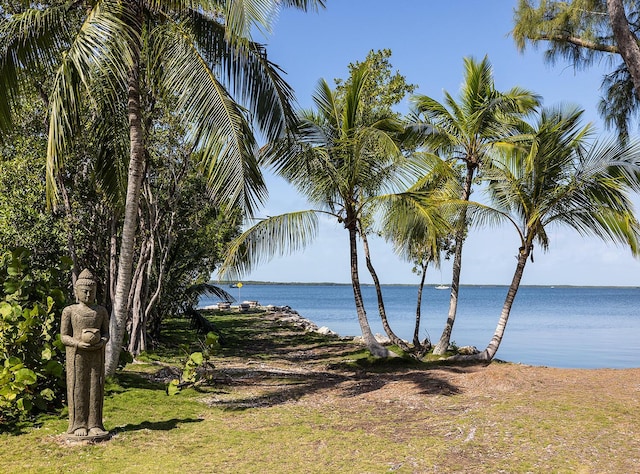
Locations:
427 285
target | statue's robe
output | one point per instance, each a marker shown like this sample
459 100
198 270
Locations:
85 368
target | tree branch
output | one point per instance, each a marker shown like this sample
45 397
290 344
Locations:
576 40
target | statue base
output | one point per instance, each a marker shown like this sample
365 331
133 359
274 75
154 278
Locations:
98 436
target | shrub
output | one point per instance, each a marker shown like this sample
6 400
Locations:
197 367
31 369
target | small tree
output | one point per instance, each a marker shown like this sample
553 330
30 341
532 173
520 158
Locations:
421 227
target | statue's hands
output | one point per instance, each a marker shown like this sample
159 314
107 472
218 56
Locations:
91 347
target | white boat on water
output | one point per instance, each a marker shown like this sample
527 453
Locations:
442 287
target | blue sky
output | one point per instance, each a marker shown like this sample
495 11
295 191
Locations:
429 40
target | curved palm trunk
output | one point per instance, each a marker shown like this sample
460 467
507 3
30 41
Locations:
376 349
445 338
383 314
125 260
491 349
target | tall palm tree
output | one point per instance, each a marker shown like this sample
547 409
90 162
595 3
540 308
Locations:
558 178
342 165
199 53
420 226
468 131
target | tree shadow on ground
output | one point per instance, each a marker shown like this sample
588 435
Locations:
256 388
166 425
267 361
124 381
426 382
253 388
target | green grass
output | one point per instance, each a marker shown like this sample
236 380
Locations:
350 414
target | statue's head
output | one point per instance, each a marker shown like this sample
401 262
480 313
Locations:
85 288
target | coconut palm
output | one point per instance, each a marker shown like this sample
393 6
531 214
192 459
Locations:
111 56
558 178
342 166
468 131
420 227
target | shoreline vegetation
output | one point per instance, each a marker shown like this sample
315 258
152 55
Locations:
281 399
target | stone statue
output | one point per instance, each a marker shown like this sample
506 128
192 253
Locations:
85 331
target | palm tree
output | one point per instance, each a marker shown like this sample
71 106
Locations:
558 178
420 223
468 131
341 165
198 53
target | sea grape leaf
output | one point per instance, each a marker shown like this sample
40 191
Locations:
25 376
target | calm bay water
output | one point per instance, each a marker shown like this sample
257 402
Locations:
578 327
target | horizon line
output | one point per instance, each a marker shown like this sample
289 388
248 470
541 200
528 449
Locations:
328 283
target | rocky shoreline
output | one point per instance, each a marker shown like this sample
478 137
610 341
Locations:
289 315
284 313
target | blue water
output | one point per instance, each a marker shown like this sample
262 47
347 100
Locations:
573 327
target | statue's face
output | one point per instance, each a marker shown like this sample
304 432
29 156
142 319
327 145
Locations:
86 294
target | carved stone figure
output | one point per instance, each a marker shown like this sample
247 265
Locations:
85 331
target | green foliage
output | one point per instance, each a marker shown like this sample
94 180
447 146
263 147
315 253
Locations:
382 91
579 32
31 372
197 366
190 231
24 219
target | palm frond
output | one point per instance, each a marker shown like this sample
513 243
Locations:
352 100
207 289
101 48
268 238
242 16
217 127
32 43
252 78
562 178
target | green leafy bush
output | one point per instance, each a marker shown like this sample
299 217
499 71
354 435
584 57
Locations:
197 368
31 369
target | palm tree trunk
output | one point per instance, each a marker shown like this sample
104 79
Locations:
376 349
491 349
416 331
125 260
445 338
383 313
